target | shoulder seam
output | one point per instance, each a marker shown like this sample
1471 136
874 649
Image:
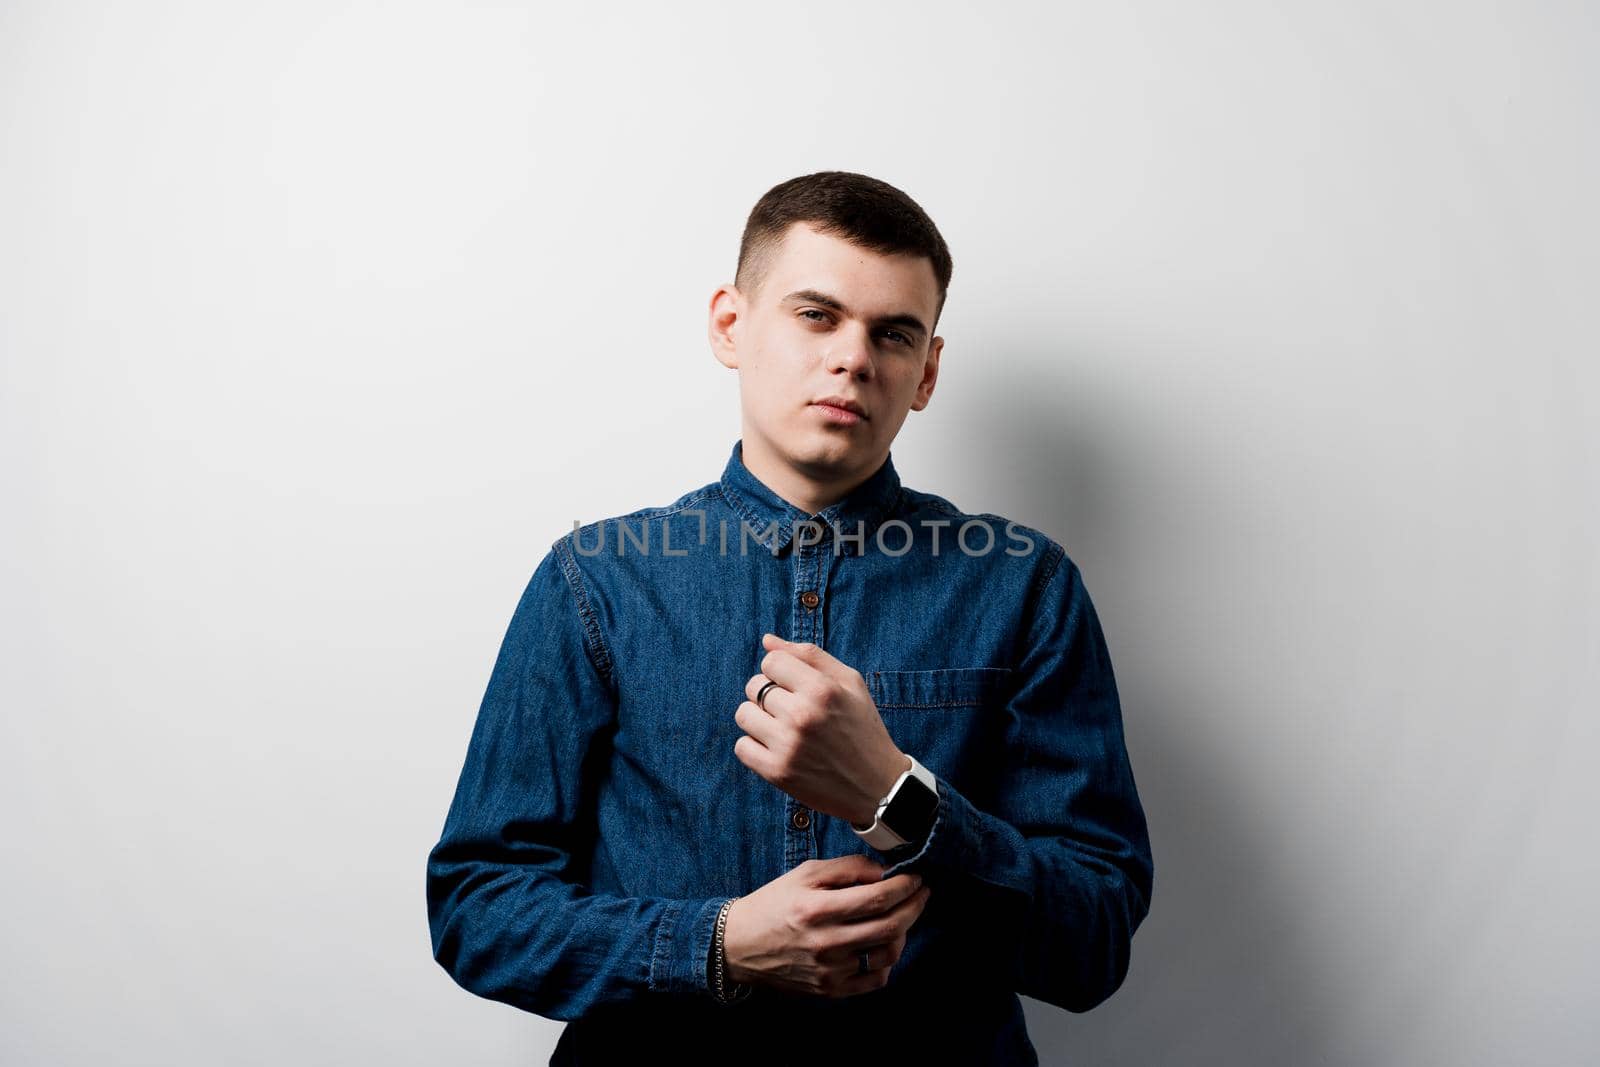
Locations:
683 504
593 639
949 507
1055 554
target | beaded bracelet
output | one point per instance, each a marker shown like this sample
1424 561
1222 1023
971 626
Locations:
721 987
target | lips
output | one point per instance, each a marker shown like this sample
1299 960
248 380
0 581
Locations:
843 402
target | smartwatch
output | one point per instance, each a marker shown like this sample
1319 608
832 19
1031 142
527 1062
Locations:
906 814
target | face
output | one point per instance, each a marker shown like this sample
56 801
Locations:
831 319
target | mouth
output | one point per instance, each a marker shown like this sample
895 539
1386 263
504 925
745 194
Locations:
841 408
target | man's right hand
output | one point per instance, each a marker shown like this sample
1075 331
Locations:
803 932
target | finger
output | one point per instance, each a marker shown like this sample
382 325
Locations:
853 982
805 651
848 870
779 704
788 670
857 984
761 725
791 675
814 656
865 903
885 927
847 958
880 954
753 754
753 687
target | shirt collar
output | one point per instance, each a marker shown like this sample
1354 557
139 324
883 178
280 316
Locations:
867 504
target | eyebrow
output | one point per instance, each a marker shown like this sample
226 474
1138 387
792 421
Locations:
814 296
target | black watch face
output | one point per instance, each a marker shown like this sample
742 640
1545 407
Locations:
911 810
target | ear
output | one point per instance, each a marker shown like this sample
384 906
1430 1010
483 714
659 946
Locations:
930 374
723 329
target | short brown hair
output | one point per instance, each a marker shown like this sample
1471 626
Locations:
862 210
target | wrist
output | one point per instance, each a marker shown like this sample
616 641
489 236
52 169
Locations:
726 982
893 767
906 818
732 973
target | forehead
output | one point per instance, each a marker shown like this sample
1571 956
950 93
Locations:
808 259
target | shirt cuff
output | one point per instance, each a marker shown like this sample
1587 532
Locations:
680 959
945 848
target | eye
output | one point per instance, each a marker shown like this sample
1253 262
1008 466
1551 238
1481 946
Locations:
823 317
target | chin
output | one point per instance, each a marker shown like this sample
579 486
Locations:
834 450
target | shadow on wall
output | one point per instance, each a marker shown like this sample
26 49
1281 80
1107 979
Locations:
1222 969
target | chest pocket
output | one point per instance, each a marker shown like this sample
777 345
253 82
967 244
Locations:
952 719
947 687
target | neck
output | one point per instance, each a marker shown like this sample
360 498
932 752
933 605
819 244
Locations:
810 490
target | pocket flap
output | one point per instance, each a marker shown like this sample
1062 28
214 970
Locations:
945 687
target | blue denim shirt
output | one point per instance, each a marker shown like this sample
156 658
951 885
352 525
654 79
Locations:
601 818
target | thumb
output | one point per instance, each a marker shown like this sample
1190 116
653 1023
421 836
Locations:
849 870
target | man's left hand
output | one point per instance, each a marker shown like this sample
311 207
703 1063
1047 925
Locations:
820 738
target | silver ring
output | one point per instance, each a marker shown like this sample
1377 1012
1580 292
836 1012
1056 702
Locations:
761 697
864 967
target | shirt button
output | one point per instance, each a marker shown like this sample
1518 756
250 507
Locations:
810 598
801 819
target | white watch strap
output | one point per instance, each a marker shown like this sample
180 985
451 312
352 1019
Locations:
878 835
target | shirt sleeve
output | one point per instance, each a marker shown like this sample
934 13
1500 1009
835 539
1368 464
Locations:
1059 874
509 919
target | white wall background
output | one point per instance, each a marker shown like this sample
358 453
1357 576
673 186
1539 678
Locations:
322 320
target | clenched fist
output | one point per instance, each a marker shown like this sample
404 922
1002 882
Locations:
817 735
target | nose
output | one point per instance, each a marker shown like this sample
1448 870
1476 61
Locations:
852 352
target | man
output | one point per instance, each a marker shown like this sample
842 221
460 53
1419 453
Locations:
806 766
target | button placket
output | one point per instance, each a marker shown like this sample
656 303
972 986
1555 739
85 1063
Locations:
800 838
